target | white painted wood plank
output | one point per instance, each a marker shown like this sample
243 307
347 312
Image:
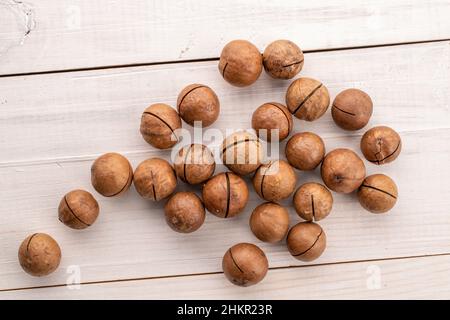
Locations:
45 35
83 114
413 278
131 239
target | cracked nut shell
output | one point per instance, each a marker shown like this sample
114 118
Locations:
225 195
272 116
342 170
307 99
313 201
39 255
381 145
198 102
111 174
184 212
155 179
194 164
245 264
378 193
305 150
78 209
269 222
159 123
240 63
275 180
306 241
283 59
242 152
352 109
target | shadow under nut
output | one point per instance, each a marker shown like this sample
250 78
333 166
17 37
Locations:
342 170
225 195
307 99
111 174
39 255
245 264
198 102
378 193
381 145
159 123
275 181
78 209
306 241
155 179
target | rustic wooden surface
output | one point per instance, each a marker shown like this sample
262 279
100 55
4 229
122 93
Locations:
54 122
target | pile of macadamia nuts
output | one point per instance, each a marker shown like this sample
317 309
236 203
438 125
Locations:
226 194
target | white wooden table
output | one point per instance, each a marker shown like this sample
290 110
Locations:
76 75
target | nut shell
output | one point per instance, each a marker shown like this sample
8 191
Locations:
313 201
198 102
240 63
269 222
111 174
225 195
184 212
342 170
245 264
242 152
159 124
352 109
307 99
381 145
39 254
194 164
78 209
305 150
283 59
272 116
275 180
378 193
306 241
155 179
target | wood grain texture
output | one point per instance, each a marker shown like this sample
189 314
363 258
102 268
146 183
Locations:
44 35
79 115
413 278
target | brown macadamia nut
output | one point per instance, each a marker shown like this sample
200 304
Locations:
78 209
225 195
378 193
242 152
194 164
111 174
184 212
342 170
155 179
245 264
305 151
39 255
381 145
352 109
283 59
313 201
275 180
159 123
240 63
272 116
307 99
269 222
198 103
306 241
